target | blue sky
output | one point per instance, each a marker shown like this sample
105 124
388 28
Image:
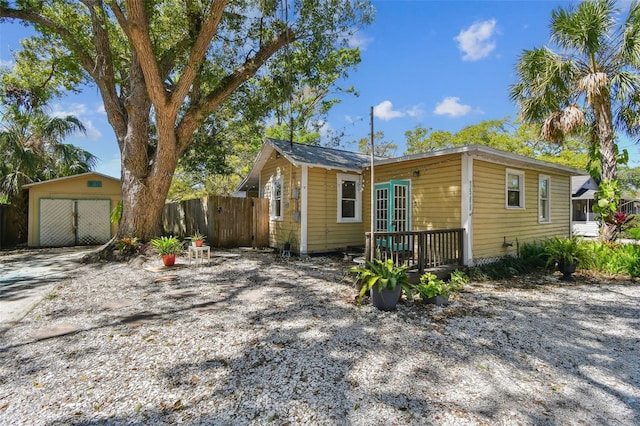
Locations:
438 64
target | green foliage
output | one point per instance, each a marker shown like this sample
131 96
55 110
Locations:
505 267
382 148
532 255
615 258
568 250
634 233
430 285
506 135
197 236
116 213
128 246
167 245
384 275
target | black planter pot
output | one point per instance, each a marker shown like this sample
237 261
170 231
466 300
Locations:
437 300
567 269
385 300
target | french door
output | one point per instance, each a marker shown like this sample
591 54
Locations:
393 208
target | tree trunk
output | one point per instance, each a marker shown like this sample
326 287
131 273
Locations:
608 158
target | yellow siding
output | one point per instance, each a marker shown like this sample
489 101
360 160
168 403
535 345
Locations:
493 222
72 188
280 230
435 191
323 230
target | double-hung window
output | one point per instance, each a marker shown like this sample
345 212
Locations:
544 199
515 189
349 198
276 199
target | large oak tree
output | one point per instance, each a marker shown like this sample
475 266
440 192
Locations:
163 67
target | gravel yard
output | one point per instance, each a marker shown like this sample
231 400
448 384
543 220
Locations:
253 339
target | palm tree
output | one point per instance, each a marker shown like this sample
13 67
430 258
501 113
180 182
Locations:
590 83
31 148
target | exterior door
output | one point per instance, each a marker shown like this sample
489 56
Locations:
393 212
393 208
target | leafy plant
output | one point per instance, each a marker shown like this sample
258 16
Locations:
568 251
634 233
197 236
431 286
384 275
167 245
128 245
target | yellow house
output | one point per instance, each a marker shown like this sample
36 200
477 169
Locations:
315 195
73 210
499 199
322 196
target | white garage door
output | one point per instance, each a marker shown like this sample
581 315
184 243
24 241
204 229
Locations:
67 222
94 222
57 223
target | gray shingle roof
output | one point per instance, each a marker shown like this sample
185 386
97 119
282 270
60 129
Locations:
320 156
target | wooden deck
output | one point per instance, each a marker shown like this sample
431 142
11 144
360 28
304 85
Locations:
438 251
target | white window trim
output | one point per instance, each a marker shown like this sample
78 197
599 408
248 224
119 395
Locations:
540 218
358 206
272 198
506 189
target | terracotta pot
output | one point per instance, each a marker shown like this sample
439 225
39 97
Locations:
169 259
198 243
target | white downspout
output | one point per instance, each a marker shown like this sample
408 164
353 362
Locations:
304 191
466 208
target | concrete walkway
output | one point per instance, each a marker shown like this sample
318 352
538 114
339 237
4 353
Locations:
26 276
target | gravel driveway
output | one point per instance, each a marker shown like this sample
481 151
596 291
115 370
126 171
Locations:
253 339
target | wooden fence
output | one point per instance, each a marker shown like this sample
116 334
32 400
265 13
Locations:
226 221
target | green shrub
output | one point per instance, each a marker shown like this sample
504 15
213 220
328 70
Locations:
430 285
616 258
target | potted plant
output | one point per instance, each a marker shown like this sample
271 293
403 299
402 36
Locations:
197 239
436 291
168 248
288 240
383 280
567 254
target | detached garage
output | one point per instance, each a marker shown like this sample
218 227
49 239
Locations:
73 210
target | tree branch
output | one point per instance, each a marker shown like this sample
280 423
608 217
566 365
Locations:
136 29
198 51
34 17
227 86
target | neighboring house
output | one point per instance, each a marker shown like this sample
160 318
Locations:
583 189
73 210
323 196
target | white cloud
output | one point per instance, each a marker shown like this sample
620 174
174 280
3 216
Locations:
100 109
79 111
476 41
384 111
76 110
358 40
6 64
452 107
416 111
